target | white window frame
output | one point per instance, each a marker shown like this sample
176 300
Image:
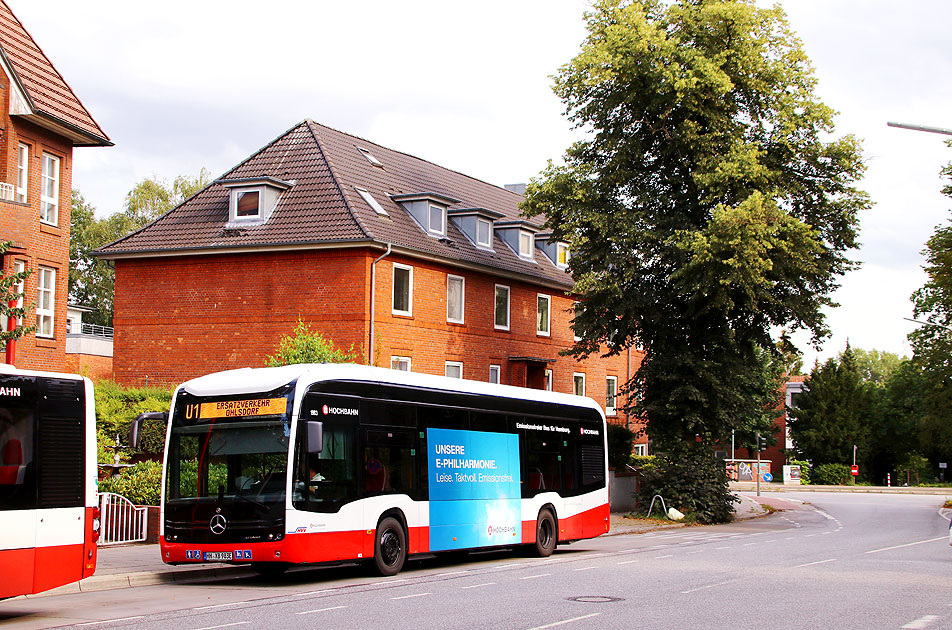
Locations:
548 380
371 201
370 157
393 301
544 331
441 230
46 287
489 233
236 193
23 172
396 363
462 299
561 248
526 237
576 378
18 267
611 395
497 325
455 365
50 175
641 449
574 317
495 374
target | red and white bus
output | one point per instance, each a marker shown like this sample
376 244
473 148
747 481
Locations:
326 463
48 512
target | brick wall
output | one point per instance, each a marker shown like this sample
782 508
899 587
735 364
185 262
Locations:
36 243
92 366
181 317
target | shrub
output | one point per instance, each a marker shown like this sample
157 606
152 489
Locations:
691 479
141 483
117 406
832 475
619 446
804 470
306 346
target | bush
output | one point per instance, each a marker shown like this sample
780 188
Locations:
117 407
141 483
691 479
619 446
832 475
305 346
804 470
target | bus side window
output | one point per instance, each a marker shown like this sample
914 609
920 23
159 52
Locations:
325 481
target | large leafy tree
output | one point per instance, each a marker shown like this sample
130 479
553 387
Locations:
709 202
91 280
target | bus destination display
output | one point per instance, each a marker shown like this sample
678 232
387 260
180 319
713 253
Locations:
237 408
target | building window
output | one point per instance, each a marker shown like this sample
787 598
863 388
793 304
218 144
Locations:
370 157
455 299
577 315
578 383
371 201
23 171
525 245
454 369
50 189
611 392
543 316
562 255
247 204
494 374
641 449
548 380
45 301
400 363
484 233
502 307
402 290
437 215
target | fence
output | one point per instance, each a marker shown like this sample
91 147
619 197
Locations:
120 520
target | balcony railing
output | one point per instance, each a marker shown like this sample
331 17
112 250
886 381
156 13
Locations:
8 192
92 330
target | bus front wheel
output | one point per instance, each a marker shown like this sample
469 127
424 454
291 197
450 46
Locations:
390 547
546 536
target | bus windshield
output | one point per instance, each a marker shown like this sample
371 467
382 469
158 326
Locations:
229 449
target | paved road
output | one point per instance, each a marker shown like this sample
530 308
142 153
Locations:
836 561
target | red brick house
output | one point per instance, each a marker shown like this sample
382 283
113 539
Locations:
41 120
418 266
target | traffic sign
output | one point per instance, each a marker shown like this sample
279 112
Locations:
854 470
768 477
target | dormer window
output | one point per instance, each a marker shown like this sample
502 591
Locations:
525 245
484 233
437 218
562 255
428 209
251 200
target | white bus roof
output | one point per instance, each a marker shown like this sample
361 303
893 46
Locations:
254 380
7 369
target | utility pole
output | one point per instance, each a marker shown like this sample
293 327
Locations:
757 474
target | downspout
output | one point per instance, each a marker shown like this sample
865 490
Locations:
11 352
373 299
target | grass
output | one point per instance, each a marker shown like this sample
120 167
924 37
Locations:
947 504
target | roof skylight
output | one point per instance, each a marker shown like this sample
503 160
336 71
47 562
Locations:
365 194
370 157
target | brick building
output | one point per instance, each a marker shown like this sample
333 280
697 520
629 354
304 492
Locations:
417 266
41 120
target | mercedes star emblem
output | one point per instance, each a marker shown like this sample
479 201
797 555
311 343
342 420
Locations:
217 524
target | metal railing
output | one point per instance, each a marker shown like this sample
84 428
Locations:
8 192
120 521
93 330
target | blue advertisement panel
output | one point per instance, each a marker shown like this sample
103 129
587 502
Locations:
475 495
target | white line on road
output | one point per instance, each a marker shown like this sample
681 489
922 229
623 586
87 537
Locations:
226 625
810 564
309 593
660 557
219 606
691 553
749 544
309 612
452 573
701 588
96 623
391 581
532 577
908 544
412 596
562 623
628 562
585 569
479 585
728 547
922 622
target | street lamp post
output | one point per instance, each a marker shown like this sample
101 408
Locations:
926 128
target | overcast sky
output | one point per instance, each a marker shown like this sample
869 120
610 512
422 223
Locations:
183 85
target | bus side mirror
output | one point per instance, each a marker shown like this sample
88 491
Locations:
135 431
315 437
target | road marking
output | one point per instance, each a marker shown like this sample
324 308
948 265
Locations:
810 564
309 612
451 573
749 544
790 538
225 625
809 535
96 623
532 577
922 622
660 557
585 569
728 547
825 533
219 606
479 585
628 562
701 588
309 593
909 544
562 623
412 596
691 553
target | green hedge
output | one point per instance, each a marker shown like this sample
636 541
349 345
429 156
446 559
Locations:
141 483
117 407
804 470
832 475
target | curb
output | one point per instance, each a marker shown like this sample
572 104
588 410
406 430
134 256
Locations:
146 578
751 487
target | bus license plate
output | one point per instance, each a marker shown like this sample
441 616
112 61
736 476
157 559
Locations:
218 555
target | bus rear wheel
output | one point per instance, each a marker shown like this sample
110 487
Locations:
546 536
390 547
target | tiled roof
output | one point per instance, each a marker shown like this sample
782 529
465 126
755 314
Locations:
50 100
323 207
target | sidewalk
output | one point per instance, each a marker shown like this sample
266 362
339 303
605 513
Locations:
126 566
750 486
